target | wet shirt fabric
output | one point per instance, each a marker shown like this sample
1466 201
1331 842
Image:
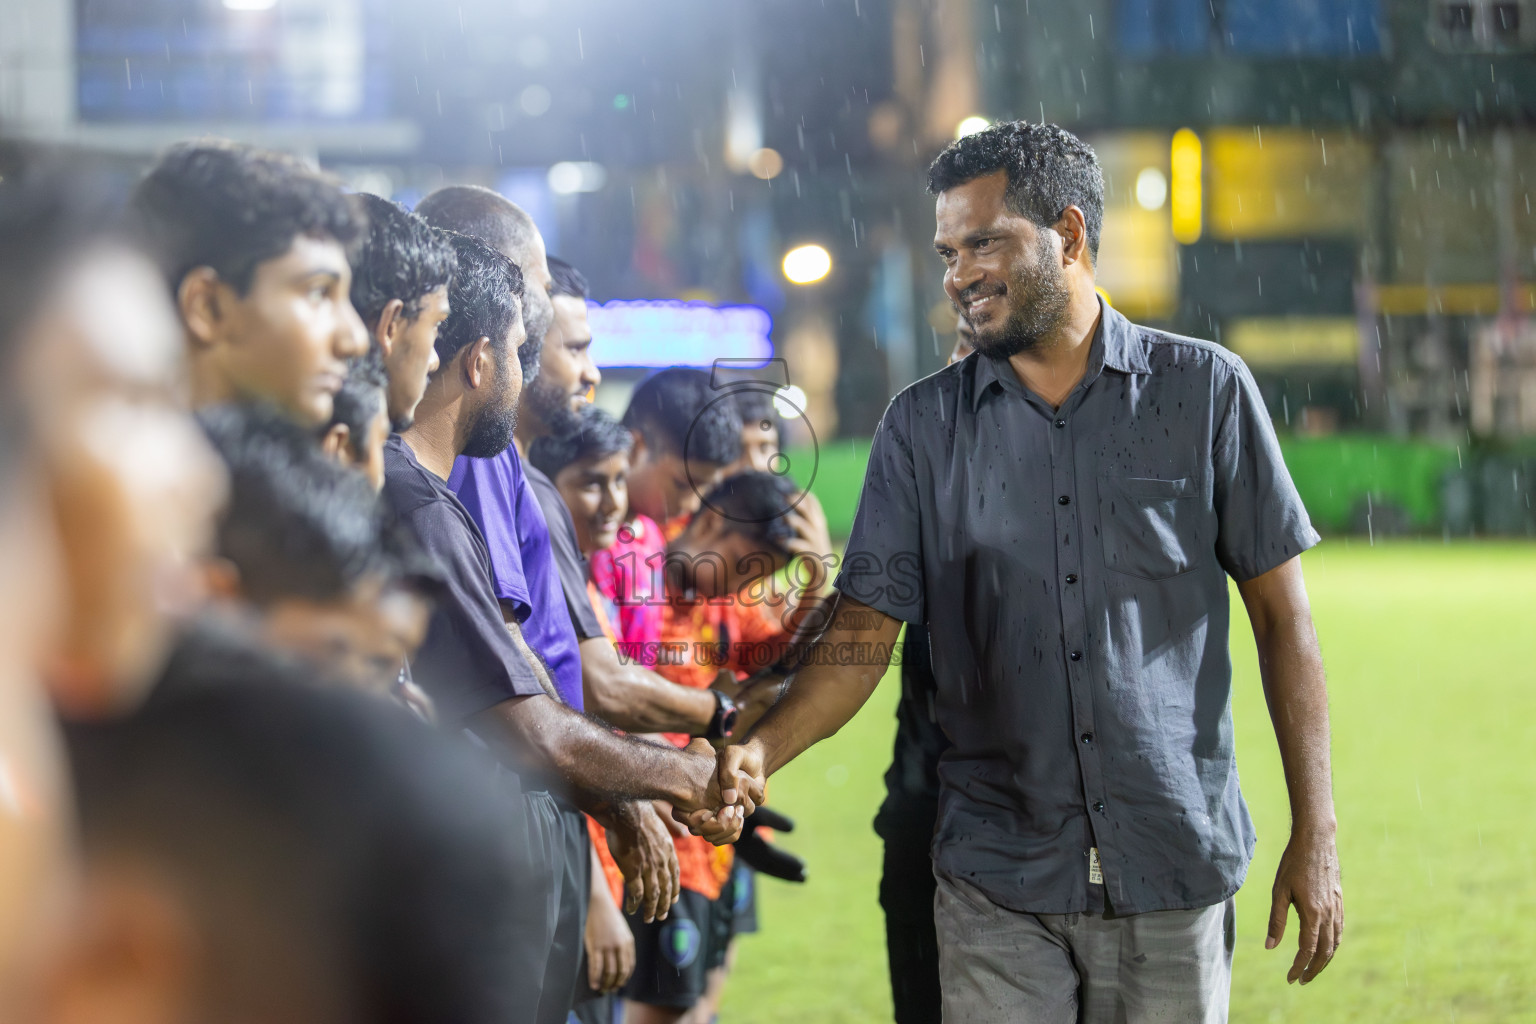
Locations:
468 662
1072 568
502 502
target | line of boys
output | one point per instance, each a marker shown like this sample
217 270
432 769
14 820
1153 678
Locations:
314 326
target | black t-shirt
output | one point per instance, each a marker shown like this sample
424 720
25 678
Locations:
468 662
568 560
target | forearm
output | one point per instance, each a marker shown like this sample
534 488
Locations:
825 695
1295 688
633 698
592 759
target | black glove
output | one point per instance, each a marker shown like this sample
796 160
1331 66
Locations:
762 856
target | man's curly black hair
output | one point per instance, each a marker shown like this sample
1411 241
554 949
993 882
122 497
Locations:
400 257
1049 169
597 436
484 300
361 400
232 207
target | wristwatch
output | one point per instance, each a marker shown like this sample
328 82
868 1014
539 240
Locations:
723 722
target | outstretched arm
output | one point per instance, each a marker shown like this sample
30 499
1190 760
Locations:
818 701
1297 693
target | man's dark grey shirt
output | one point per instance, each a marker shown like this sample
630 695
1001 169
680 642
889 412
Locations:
1072 568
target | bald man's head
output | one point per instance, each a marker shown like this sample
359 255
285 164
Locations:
503 225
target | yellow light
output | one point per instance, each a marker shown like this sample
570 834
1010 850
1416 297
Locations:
765 163
1186 201
971 125
1105 296
807 264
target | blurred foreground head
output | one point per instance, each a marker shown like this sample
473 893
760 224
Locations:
254 247
263 851
107 495
303 544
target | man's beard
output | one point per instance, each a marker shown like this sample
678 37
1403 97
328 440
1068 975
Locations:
497 420
552 407
1040 299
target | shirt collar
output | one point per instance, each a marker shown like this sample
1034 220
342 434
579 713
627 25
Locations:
1116 345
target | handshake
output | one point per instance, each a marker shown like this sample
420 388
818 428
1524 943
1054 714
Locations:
730 786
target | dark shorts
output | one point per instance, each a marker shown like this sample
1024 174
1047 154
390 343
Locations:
740 894
563 832
673 958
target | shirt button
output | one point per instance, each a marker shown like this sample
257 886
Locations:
1087 737
1060 424
1071 577
1098 805
1076 655
1064 500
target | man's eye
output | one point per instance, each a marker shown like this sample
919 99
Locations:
984 242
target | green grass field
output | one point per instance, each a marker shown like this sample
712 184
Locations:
1431 653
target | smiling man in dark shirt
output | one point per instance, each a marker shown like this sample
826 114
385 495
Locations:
1064 511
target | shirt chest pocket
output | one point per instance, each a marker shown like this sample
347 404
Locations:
1150 526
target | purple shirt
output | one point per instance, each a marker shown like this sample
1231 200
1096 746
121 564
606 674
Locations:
499 498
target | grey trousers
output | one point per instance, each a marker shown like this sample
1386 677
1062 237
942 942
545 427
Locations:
998 965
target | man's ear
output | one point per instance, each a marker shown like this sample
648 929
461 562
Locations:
479 364
1073 230
200 301
337 443
390 326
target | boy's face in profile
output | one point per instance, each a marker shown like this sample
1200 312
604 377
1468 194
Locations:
368 451
715 557
288 338
597 493
663 486
413 356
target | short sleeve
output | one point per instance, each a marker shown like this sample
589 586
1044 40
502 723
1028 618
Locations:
571 567
468 662
1261 521
490 489
882 564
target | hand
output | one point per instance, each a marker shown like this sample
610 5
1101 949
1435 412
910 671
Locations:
734 792
610 944
1309 878
705 814
642 847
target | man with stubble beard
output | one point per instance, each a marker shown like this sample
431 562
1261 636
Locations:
1064 510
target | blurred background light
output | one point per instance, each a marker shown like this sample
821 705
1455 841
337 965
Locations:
807 264
1186 188
250 5
971 125
666 332
1151 188
766 164
570 176
534 100
790 402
